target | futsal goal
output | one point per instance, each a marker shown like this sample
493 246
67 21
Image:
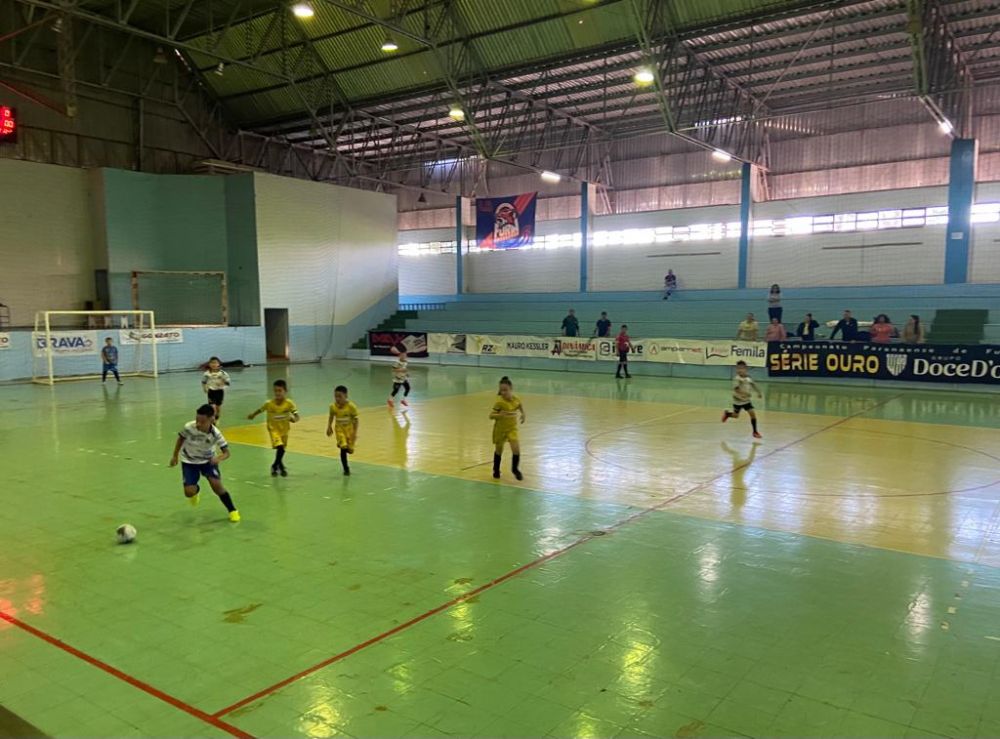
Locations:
182 298
66 344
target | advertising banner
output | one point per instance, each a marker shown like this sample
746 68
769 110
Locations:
65 342
675 351
506 223
608 349
4 340
728 353
509 346
574 348
914 362
127 336
391 343
446 343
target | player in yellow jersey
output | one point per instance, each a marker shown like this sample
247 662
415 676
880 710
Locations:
281 413
505 413
343 422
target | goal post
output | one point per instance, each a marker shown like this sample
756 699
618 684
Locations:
66 344
181 298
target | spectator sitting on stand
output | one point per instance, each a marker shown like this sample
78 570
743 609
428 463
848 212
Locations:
775 331
570 324
748 329
913 331
807 329
669 284
847 326
882 330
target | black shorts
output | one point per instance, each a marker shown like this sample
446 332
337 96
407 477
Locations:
623 355
215 397
742 407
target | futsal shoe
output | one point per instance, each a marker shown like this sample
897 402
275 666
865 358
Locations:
496 474
283 471
234 516
756 435
404 403
274 470
388 402
518 475
194 500
725 416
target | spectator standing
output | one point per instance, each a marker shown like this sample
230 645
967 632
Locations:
882 330
570 324
774 309
603 328
913 331
748 329
669 284
847 326
807 329
775 331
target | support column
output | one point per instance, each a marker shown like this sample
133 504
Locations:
746 200
961 190
459 233
584 233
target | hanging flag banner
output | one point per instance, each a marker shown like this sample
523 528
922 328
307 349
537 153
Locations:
506 223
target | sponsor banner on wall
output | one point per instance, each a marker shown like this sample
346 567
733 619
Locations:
574 347
916 363
65 342
4 340
728 353
391 343
608 349
675 351
506 223
128 336
508 346
446 343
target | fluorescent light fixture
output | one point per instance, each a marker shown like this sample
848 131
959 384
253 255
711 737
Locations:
220 69
551 176
644 76
303 10
721 156
945 125
456 113
389 45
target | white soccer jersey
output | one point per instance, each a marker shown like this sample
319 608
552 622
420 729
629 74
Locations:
399 371
742 387
199 446
215 380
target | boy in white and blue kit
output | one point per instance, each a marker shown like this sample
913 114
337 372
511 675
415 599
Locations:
109 357
200 448
214 382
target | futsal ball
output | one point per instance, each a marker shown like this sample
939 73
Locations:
125 533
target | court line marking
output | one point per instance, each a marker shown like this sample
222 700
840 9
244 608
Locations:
145 687
264 692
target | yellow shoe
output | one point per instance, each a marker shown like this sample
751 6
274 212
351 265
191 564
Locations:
194 499
234 516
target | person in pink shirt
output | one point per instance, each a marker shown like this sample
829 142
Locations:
775 331
882 330
624 345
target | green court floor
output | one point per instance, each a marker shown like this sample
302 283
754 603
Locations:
656 574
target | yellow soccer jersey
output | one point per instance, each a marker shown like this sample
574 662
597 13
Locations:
344 416
279 415
506 424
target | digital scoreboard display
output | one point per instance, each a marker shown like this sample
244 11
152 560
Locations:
8 124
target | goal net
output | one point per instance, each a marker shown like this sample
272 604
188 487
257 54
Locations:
67 344
182 298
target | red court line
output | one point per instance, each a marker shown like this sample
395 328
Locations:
134 682
530 565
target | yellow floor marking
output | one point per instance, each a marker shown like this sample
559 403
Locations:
912 487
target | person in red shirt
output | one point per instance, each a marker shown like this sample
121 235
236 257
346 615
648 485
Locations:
624 345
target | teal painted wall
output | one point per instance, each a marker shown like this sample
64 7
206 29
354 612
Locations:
241 244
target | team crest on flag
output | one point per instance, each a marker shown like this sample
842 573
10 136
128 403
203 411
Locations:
506 223
895 363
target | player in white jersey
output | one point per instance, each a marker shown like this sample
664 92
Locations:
400 379
743 386
214 382
200 448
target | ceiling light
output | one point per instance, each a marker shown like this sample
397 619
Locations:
220 69
721 156
159 57
389 45
456 113
551 176
303 10
644 76
945 125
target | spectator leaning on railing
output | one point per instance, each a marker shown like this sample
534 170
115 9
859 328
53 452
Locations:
847 326
602 329
807 329
748 329
570 324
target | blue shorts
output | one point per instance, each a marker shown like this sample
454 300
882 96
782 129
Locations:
193 472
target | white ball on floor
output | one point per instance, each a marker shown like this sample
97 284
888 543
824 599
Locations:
125 533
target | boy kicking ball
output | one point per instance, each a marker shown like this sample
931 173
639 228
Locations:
196 447
743 385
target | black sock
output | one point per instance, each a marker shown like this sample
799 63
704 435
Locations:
753 422
343 458
279 456
515 463
496 462
227 501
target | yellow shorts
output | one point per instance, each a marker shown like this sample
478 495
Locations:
503 436
278 438
345 437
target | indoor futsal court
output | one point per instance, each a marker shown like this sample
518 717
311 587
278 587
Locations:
656 573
